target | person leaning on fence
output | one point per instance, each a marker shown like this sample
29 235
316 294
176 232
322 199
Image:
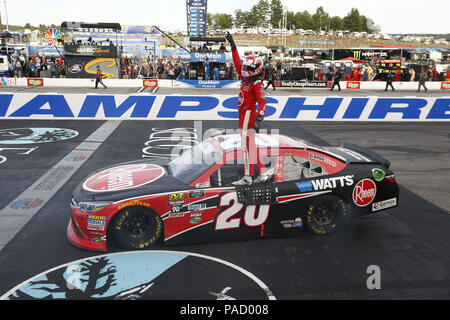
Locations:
423 76
98 78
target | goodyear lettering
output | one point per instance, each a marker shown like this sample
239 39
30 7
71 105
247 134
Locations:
70 106
134 203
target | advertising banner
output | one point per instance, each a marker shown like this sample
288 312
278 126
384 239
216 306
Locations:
219 107
86 67
445 85
95 51
301 84
219 57
35 82
206 83
150 83
47 51
353 85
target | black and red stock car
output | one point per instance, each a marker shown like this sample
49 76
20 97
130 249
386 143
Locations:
191 198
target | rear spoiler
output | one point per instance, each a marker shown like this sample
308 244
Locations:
367 152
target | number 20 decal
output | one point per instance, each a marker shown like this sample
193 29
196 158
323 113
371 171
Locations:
252 216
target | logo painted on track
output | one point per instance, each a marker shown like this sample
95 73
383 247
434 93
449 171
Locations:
142 275
364 192
35 135
123 177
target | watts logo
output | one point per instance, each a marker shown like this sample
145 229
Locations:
91 67
176 196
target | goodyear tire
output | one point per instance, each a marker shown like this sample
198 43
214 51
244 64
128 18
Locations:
136 228
326 214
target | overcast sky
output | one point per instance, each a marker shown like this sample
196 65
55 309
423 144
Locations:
393 16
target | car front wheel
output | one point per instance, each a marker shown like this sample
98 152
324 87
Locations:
136 228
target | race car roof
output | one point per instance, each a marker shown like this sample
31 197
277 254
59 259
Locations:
230 142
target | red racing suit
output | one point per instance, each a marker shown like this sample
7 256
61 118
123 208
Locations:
252 92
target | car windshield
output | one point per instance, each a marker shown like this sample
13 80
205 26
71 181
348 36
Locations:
194 162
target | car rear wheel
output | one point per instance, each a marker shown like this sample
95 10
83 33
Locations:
326 214
136 228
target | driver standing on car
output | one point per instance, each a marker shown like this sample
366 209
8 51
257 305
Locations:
252 92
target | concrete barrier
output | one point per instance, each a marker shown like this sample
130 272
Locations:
137 83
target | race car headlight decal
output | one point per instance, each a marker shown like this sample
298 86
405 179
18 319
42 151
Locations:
90 207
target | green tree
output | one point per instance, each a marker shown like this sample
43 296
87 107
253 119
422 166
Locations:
336 23
276 13
305 20
352 21
222 21
320 19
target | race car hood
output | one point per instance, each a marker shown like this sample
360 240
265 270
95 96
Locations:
127 180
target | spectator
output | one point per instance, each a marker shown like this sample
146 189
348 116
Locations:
447 76
423 76
412 74
337 77
271 79
397 75
389 78
216 73
370 73
98 79
435 75
207 69
348 73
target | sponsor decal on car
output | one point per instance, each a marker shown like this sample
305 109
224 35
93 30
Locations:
381 205
123 177
322 159
364 192
378 174
325 183
202 185
134 203
195 220
176 196
196 194
96 222
198 206
296 223
176 199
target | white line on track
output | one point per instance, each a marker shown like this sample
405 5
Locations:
14 215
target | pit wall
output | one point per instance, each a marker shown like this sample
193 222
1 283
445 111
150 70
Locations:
100 106
137 83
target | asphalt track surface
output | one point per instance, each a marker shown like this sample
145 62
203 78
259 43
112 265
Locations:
410 243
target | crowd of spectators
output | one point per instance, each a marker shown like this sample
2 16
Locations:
38 66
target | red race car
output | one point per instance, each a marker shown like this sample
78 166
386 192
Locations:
192 199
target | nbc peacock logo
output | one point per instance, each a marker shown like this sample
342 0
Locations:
53 33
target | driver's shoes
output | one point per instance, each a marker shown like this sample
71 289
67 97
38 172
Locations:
244 181
261 178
